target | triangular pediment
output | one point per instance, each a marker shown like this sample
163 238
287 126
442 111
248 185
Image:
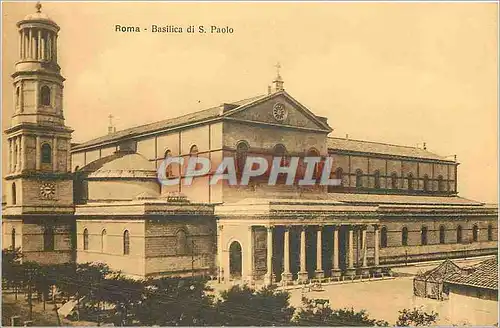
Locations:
280 109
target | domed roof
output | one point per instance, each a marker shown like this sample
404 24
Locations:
130 165
38 16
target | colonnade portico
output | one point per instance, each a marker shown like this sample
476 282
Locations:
342 261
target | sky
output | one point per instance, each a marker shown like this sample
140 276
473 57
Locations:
403 73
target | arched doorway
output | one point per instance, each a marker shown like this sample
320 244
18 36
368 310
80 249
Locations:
235 262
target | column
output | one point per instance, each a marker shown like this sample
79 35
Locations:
19 154
37 153
22 150
30 43
364 269
350 253
286 276
335 265
303 276
377 247
68 156
319 273
220 273
20 44
54 154
249 264
54 44
268 278
11 156
39 45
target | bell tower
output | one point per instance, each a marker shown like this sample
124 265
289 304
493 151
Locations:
38 179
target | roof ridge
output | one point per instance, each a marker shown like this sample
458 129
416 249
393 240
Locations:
377 142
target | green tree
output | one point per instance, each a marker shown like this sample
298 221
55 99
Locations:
244 306
319 313
416 317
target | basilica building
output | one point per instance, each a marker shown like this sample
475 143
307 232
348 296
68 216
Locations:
101 201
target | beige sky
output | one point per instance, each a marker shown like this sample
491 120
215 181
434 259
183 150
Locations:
400 73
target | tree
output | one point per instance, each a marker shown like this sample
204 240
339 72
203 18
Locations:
243 306
319 313
416 317
12 269
175 301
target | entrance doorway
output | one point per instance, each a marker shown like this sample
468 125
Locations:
235 260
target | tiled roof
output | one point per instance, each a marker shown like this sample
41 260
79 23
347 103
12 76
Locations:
377 199
482 275
380 148
441 272
164 124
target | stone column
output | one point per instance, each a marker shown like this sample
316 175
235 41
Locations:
376 246
39 45
220 265
350 253
268 278
249 259
30 43
335 265
364 269
23 152
19 154
303 276
11 156
68 155
37 153
55 47
319 273
286 276
54 154
20 44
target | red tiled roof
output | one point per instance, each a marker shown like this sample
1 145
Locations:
482 275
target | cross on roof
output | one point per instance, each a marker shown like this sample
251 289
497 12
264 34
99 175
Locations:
110 119
278 66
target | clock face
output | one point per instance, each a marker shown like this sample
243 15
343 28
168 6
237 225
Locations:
47 190
279 112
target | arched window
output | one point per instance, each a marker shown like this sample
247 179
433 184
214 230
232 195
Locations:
193 151
426 182
14 194
48 238
181 243
410 181
394 181
126 243
45 96
459 234
13 238
359 179
104 241
280 151
376 179
404 236
490 232
339 175
423 236
442 236
241 155
383 237
312 152
168 169
475 232
440 183
85 239
46 154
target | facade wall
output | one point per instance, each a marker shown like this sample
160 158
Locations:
466 308
180 246
109 248
401 168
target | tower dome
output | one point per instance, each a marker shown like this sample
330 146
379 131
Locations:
38 16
